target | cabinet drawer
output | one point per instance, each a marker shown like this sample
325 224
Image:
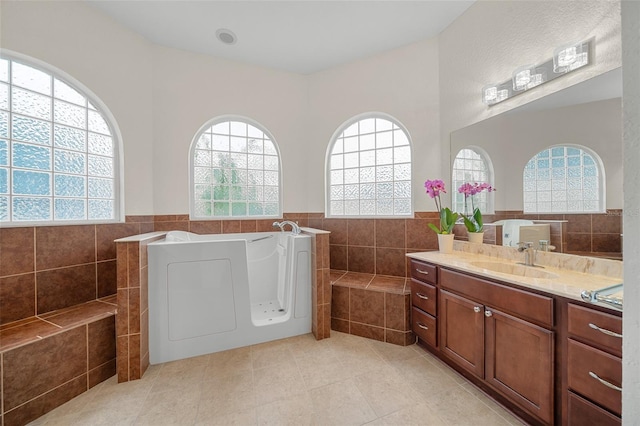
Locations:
424 272
596 328
523 304
424 325
582 412
423 296
583 363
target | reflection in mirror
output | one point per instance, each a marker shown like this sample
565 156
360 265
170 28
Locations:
587 115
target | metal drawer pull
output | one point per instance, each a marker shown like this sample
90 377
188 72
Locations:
422 272
604 382
476 309
422 326
422 296
605 331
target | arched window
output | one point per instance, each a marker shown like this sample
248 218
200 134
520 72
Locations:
235 171
472 164
58 148
369 168
564 179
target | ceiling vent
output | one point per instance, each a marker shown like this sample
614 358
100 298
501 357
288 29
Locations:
226 36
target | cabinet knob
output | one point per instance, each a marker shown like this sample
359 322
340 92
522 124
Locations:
476 309
488 313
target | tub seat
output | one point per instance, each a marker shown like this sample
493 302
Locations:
372 306
49 359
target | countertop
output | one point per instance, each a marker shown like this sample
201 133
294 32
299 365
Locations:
568 283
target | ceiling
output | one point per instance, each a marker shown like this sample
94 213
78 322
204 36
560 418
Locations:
301 36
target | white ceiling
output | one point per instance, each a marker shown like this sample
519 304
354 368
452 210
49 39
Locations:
301 36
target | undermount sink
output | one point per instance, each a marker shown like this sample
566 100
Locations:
515 269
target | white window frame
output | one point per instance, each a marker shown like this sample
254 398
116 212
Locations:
116 136
489 197
327 174
601 208
192 195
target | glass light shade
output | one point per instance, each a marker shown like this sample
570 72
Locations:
523 76
571 57
494 93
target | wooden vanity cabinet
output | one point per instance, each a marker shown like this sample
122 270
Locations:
424 278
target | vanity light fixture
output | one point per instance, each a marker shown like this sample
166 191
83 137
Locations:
565 59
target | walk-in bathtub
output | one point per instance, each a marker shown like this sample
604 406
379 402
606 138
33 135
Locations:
209 293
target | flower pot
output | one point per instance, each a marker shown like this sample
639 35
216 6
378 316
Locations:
445 243
476 237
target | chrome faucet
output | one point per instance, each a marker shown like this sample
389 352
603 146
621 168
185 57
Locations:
295 229
529 253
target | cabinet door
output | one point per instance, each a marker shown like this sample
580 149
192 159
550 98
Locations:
519 362
462 331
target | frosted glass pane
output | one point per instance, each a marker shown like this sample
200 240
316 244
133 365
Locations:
559 173
202 158
351 192
530 197
203 209
31 130
4 124
351 130
367 142
590 206
368 174
544 207
221 193
238 128
255 209
270 148
573 151
220 159
271 194
543 164
91 106
588 160
384 173
573 161
101 209
559 196
221 209
574 172
558 162
4 70
384 156
255 193
338 146
4 181
65 92
367 125
69 162
368 207
402 154
337 161
352 207
384 190
336 177
67 137
255 177
255 146
4 208
382 124
544 185
204 141
589 171
529 185
27 208
590 182
221 128
543 154
351 176
544 174
400 138
351 144
367 158
69 186
238 161
65 209
239 177
238 209
30 78
384 207
31 183
337 208
74 115
202 192
201 175
32 104
367 191
384 140
557 152
4 96
530 165
31 156
574 195
100 188
574 184
100 166
402 206
530 207
558 206
558 185
337 192
238 144
590 194
402 190
4 153
402 171
100 144
574 206
97 123
271 178
270 162
351 160
271 209
254 132
220 142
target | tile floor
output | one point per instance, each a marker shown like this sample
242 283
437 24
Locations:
343 380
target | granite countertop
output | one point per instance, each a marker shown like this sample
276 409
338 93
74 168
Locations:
572 274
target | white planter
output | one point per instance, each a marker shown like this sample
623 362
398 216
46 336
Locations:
445 243
476 237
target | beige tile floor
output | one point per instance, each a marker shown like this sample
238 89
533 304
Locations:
343 380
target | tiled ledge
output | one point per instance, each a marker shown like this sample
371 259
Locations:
372 306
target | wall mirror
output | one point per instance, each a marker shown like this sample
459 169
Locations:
588 114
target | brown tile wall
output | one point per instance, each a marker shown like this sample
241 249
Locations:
321 289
